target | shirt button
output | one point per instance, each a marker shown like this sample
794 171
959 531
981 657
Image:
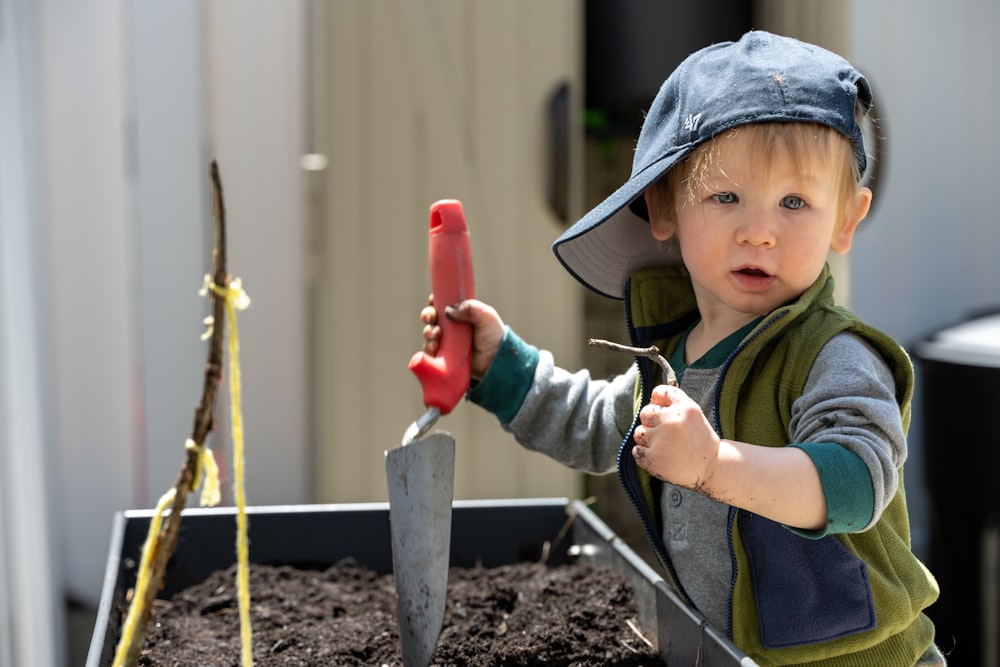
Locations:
675 498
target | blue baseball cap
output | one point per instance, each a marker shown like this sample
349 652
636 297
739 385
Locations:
761 78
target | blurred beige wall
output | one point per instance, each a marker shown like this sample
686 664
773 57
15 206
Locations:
415 102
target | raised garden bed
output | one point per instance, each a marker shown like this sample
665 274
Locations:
485 534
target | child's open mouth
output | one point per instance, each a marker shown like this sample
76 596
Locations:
751 277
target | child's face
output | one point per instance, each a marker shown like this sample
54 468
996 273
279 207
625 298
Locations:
755 239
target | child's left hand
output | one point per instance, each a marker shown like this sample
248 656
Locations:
674 441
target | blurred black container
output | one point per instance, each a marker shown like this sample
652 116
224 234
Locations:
959 376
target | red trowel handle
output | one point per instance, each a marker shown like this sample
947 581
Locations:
445 377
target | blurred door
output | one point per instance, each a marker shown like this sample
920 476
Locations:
414 102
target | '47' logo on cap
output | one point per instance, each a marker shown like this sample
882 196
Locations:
692 121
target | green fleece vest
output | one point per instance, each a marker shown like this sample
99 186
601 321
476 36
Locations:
758 388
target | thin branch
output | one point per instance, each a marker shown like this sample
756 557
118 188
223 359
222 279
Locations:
638 633
204 423
548 545
204 420
651 352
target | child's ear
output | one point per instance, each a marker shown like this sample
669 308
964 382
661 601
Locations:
855 212
661 223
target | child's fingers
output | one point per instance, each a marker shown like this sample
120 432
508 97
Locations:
463 311
432 332
432 338
649 416
644 459
665 394
429 315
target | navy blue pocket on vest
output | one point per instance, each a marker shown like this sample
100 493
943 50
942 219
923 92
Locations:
806 591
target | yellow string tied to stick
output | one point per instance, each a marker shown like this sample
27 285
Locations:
207 470
236 299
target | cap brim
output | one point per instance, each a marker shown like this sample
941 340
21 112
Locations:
610 242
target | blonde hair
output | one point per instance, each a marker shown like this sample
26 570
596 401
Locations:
804 142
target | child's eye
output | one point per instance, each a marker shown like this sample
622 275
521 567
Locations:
725 198
792 202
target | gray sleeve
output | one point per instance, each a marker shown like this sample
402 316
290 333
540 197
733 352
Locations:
850 399
575 419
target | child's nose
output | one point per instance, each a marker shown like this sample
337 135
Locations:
756 230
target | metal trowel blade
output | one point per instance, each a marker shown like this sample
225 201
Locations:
421 479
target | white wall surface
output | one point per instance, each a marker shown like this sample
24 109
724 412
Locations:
89 261
927 256
221 80
255 59
172 232
31 608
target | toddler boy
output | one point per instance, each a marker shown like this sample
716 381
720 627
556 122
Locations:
770 481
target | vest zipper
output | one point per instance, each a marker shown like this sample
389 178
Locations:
629 480
628 477
717 425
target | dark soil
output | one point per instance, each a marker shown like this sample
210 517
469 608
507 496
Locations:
524 614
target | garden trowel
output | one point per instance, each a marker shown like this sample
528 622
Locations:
421 472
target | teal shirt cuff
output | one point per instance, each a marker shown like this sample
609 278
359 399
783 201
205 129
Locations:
847 486
508 379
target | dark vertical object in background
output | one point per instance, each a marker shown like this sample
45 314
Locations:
558 154
631 47
959 379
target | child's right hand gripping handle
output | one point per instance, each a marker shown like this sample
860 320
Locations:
445 377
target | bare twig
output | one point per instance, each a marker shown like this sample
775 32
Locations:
634 628
204 423
651 352
548 545
629 646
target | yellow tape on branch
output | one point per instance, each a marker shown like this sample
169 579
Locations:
236 299
209 469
